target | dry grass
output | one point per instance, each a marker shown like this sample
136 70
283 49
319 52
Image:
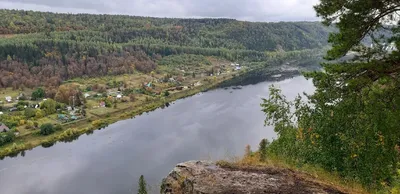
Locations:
306 171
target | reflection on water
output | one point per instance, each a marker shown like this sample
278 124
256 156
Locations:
213 125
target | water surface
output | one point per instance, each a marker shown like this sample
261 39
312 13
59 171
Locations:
213 125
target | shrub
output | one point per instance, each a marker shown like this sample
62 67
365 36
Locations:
166 93
99 123
29 124
7 137
47 129
30 112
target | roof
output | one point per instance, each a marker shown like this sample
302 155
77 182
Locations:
3 127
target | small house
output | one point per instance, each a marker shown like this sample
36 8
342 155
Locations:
87 95
8 99
4 128
62 117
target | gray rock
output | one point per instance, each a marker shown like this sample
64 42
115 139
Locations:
205 177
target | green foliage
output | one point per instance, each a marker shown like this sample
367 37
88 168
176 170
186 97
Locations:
142 185
350 124
6 137
47 129
11 121
359 20
30 112
184 60
166 93
49 106
39 93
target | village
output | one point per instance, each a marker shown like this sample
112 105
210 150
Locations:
24 112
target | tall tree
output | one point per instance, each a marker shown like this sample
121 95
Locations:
350 125
142 185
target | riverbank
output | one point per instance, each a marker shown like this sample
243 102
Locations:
72 131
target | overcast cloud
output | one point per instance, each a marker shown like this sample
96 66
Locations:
252 10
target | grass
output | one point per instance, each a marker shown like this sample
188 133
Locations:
318 174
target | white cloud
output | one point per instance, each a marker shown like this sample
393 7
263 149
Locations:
253 10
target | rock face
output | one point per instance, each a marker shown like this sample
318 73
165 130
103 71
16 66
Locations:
204 177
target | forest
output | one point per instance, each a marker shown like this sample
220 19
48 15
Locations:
45 49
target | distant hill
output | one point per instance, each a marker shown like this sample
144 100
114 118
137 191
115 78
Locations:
63 46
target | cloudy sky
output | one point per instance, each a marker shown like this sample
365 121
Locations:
252 10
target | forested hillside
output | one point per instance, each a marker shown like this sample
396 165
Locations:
45 48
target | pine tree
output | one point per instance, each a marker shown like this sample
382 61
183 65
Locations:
142 185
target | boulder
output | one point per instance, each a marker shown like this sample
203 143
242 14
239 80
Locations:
205 177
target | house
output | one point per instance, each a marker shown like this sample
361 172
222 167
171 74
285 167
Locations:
62 117
4 128
8 99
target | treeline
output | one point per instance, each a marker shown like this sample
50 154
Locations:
210 33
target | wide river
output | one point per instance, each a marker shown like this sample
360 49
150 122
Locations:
213 125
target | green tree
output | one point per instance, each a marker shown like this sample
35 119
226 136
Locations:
47 129
49 106
142 185
350 124
39 114
29 113
38 94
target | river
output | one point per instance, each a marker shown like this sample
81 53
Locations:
213 125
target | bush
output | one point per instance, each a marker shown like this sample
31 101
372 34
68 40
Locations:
30 112
47 129
29 124
166 93
7 137
99 123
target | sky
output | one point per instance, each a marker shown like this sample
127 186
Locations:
249 10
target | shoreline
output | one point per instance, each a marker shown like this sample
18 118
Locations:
72 131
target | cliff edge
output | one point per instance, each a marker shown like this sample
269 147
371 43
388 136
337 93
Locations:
205 177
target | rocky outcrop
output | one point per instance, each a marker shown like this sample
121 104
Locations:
204 177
